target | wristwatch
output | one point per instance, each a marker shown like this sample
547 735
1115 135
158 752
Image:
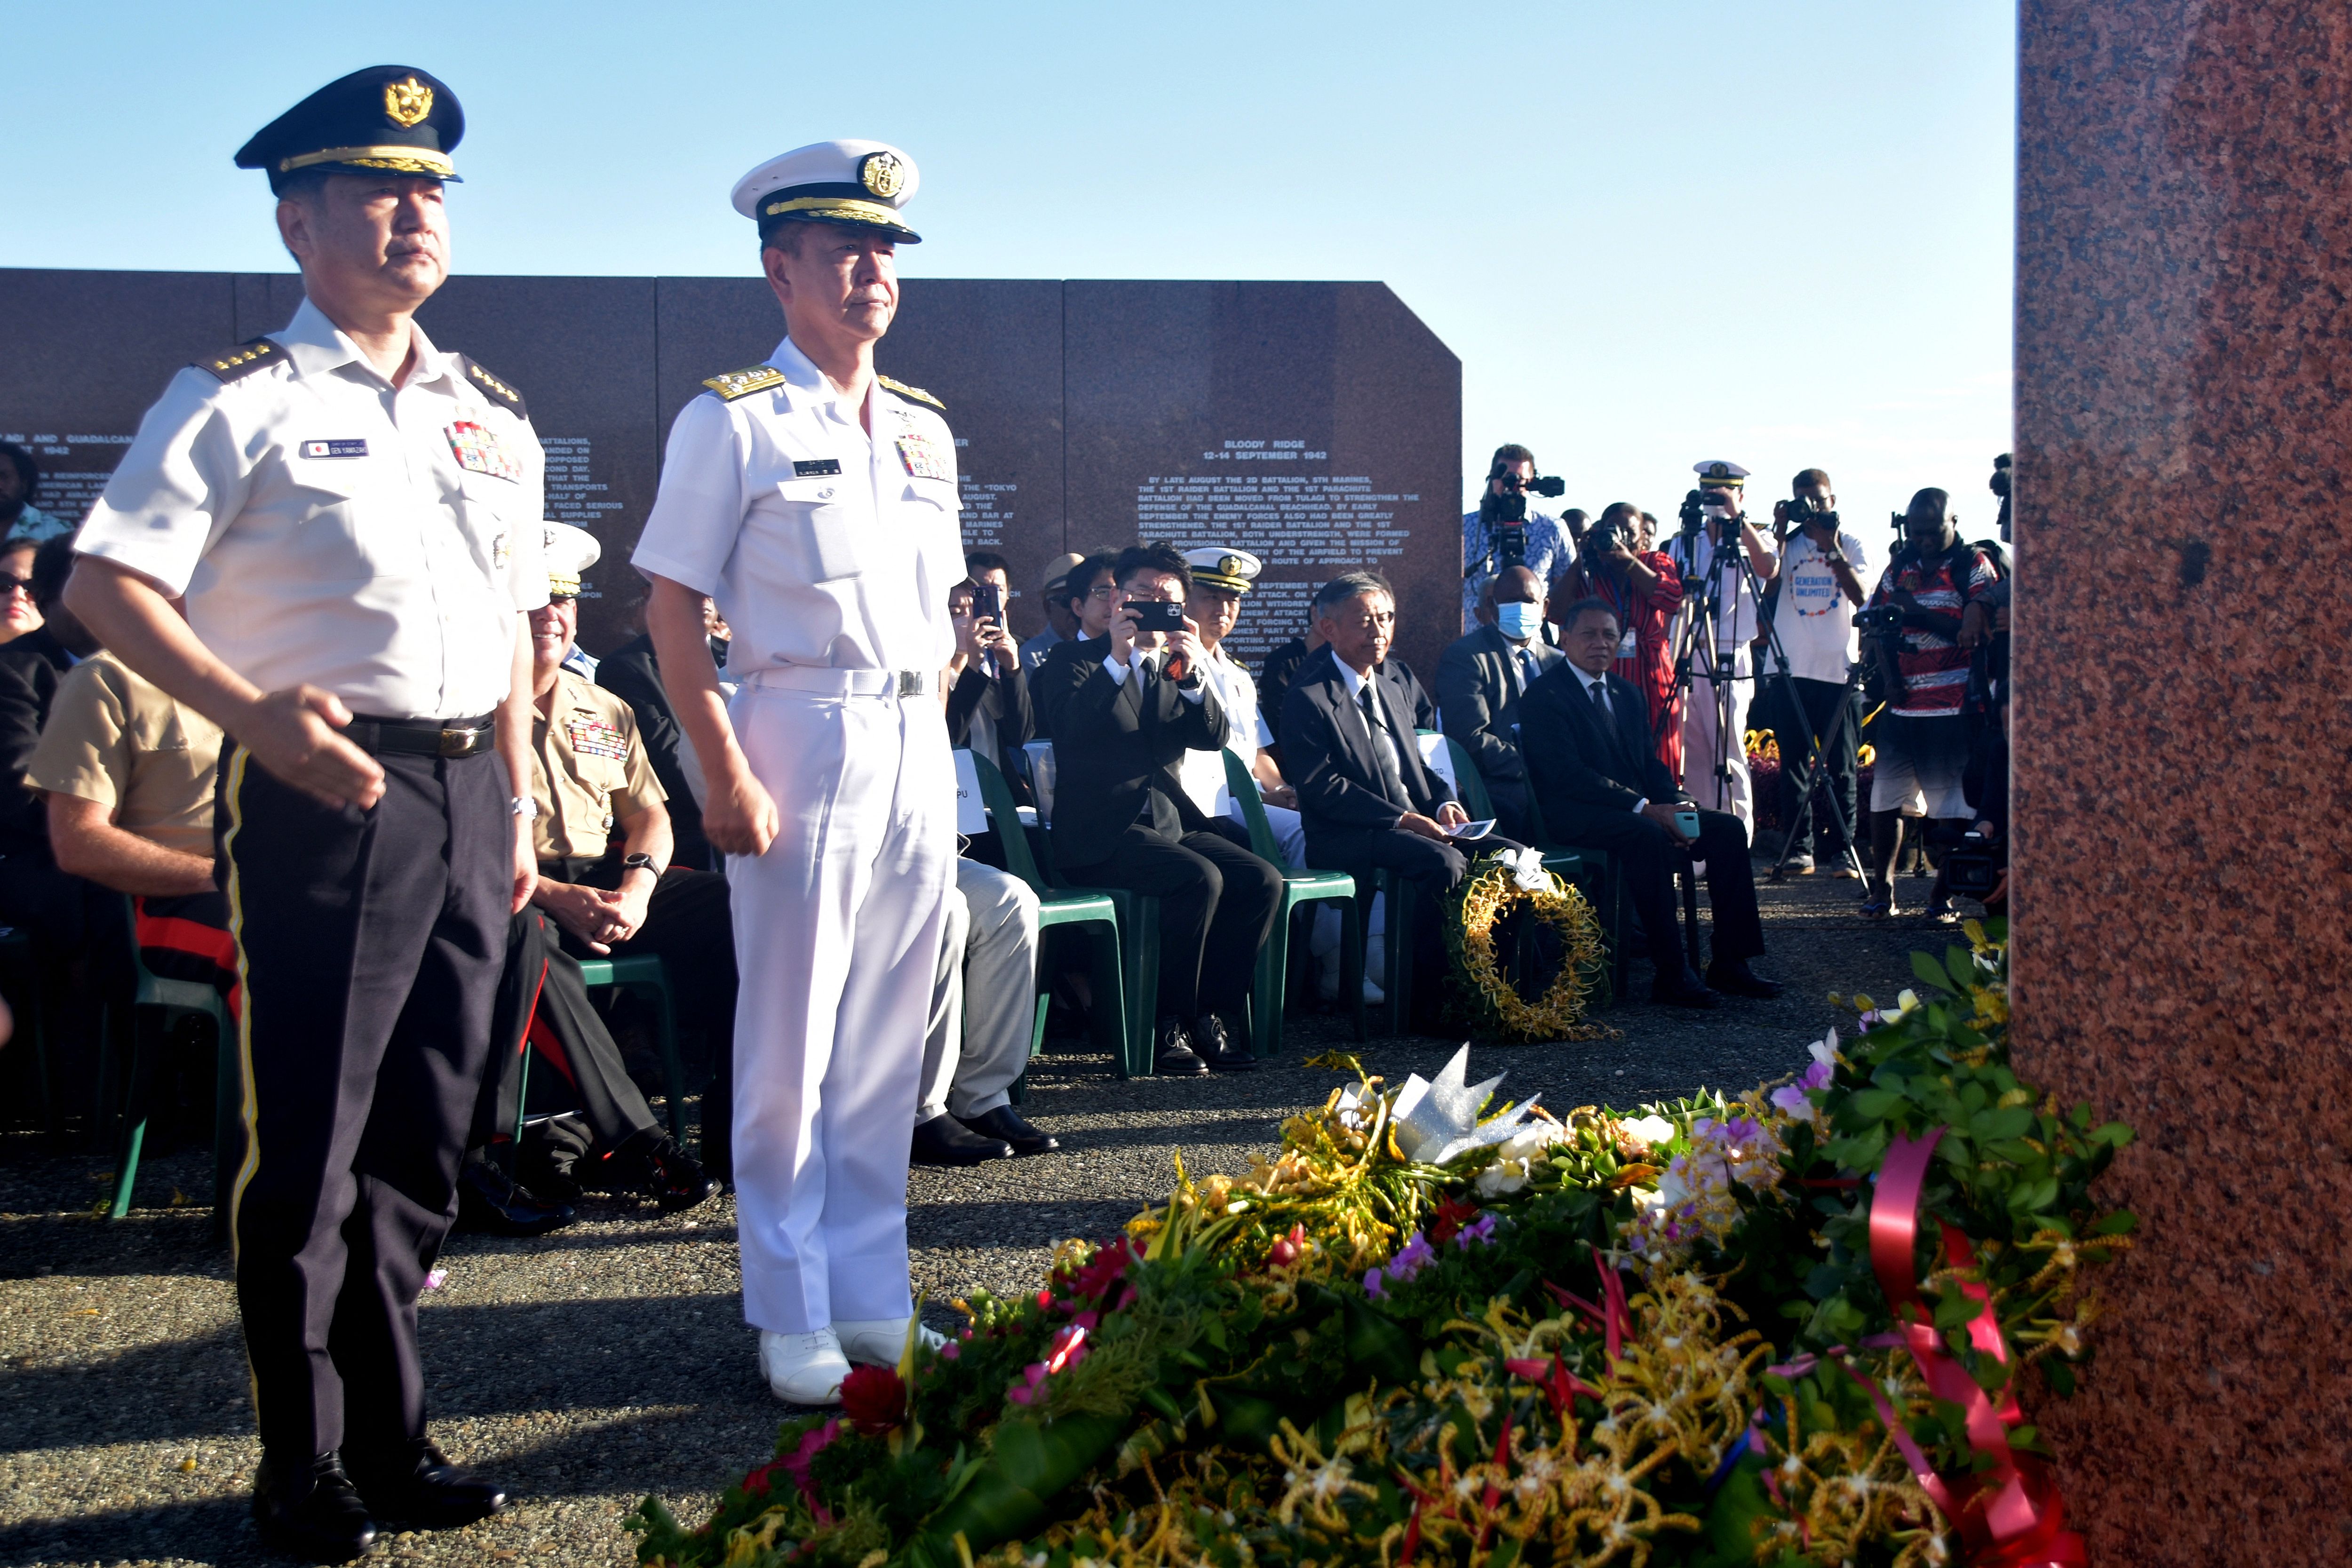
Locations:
524 806
640 862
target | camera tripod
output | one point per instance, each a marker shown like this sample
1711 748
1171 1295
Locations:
1728 562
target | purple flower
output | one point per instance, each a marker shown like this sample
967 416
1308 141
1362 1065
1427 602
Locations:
1372 1285
1414 1256
1480 1230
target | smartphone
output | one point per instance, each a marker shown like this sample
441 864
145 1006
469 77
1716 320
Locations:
1688 822
1157 615
987 602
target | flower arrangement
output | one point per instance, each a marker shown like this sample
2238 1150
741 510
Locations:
1783 1330
1496 1010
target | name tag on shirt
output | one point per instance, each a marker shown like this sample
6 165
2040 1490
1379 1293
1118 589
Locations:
922 458
815 468
594 738
479 452
355 448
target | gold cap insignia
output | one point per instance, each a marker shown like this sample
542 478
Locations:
1229 565
883 174
406 103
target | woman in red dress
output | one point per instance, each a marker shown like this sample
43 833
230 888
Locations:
1643 587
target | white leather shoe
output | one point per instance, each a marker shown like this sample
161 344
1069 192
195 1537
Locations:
880 1341
803 1369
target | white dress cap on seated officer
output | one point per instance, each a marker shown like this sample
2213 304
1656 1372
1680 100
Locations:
859 184
1223 566
569 552
1730 476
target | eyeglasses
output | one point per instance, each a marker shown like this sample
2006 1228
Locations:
11 583
1108 591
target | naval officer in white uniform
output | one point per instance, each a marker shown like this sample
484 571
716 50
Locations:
816 502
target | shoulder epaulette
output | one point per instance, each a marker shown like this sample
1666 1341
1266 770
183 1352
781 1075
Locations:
498 389
916 393
242 360
737 384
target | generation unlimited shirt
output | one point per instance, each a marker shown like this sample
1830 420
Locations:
821 545
327 527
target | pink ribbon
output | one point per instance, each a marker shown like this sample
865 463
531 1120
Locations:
2010 1516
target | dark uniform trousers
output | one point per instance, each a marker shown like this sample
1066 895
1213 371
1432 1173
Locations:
1217 902
368 945
1650 855
543 1005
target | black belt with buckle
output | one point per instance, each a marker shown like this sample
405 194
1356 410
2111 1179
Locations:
425 737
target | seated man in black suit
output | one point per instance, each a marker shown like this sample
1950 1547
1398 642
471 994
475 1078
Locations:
1365 796
1127 705
1087 595
1593 765
1480 680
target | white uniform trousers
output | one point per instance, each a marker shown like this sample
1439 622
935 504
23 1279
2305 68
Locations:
1702 713
1288 828
837 930
984 998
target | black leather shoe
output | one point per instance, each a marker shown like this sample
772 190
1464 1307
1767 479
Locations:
1684 990
1734 977
1005 1123
1213 1043
491 1200
672 1179
944 1140
1173 1056
418 1485
314 1512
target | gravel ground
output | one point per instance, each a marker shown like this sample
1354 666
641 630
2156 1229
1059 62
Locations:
611 1359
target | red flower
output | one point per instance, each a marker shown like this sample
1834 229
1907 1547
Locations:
1452 1216
1093 1279
874 1399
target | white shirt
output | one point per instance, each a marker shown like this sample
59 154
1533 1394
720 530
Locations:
1608 701
1736 610
1813 618
325 527
1202 773
847 569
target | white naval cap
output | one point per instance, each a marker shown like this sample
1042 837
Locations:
1719 472
1223 566
860 183
569 552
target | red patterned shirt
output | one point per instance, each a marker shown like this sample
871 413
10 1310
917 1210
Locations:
1935 669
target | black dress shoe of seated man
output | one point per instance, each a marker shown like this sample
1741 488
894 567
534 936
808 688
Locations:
663 1172
416 1485
1732 977
489 1200
1006 1123
311 1511
1172 1055
944 1140
1213 1043
1684 990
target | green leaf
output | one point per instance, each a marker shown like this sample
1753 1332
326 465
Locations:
1961 967
1929 972
1988 1126
2123 1221
1873 1104
2114 1135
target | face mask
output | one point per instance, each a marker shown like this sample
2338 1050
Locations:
718 652
1517 620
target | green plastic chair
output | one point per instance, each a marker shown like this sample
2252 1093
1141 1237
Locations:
1300 887
1567 864
1112 1017
1599 879
641 972
159 1006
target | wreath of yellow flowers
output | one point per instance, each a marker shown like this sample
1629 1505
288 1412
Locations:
1558 1014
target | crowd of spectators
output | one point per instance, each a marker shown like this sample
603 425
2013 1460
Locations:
1600 694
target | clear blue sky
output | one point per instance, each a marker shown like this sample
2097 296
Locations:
1654 233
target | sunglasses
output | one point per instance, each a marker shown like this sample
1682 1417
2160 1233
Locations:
12 583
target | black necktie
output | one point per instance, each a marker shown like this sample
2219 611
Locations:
1600 690
1383 750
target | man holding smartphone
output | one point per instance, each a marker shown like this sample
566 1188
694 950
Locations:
988 692
1593 765
1129 705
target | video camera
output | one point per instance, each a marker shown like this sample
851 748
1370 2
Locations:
1803 511
1879 621
1509 508
1603 537
1692 516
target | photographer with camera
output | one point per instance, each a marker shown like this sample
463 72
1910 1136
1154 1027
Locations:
1506 532
1928 612
1614 562
1724 565
1821 588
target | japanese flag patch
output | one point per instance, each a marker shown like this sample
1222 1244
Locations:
479 452
923 458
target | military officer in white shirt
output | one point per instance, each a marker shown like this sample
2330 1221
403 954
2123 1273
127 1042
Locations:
816 501
1722 667
351 516
1222 576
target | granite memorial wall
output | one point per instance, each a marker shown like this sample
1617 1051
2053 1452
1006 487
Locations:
1316 424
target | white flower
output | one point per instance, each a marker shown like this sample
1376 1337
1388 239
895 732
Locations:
1502 1177
1652 1130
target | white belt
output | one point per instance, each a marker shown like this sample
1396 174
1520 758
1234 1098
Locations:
826 682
